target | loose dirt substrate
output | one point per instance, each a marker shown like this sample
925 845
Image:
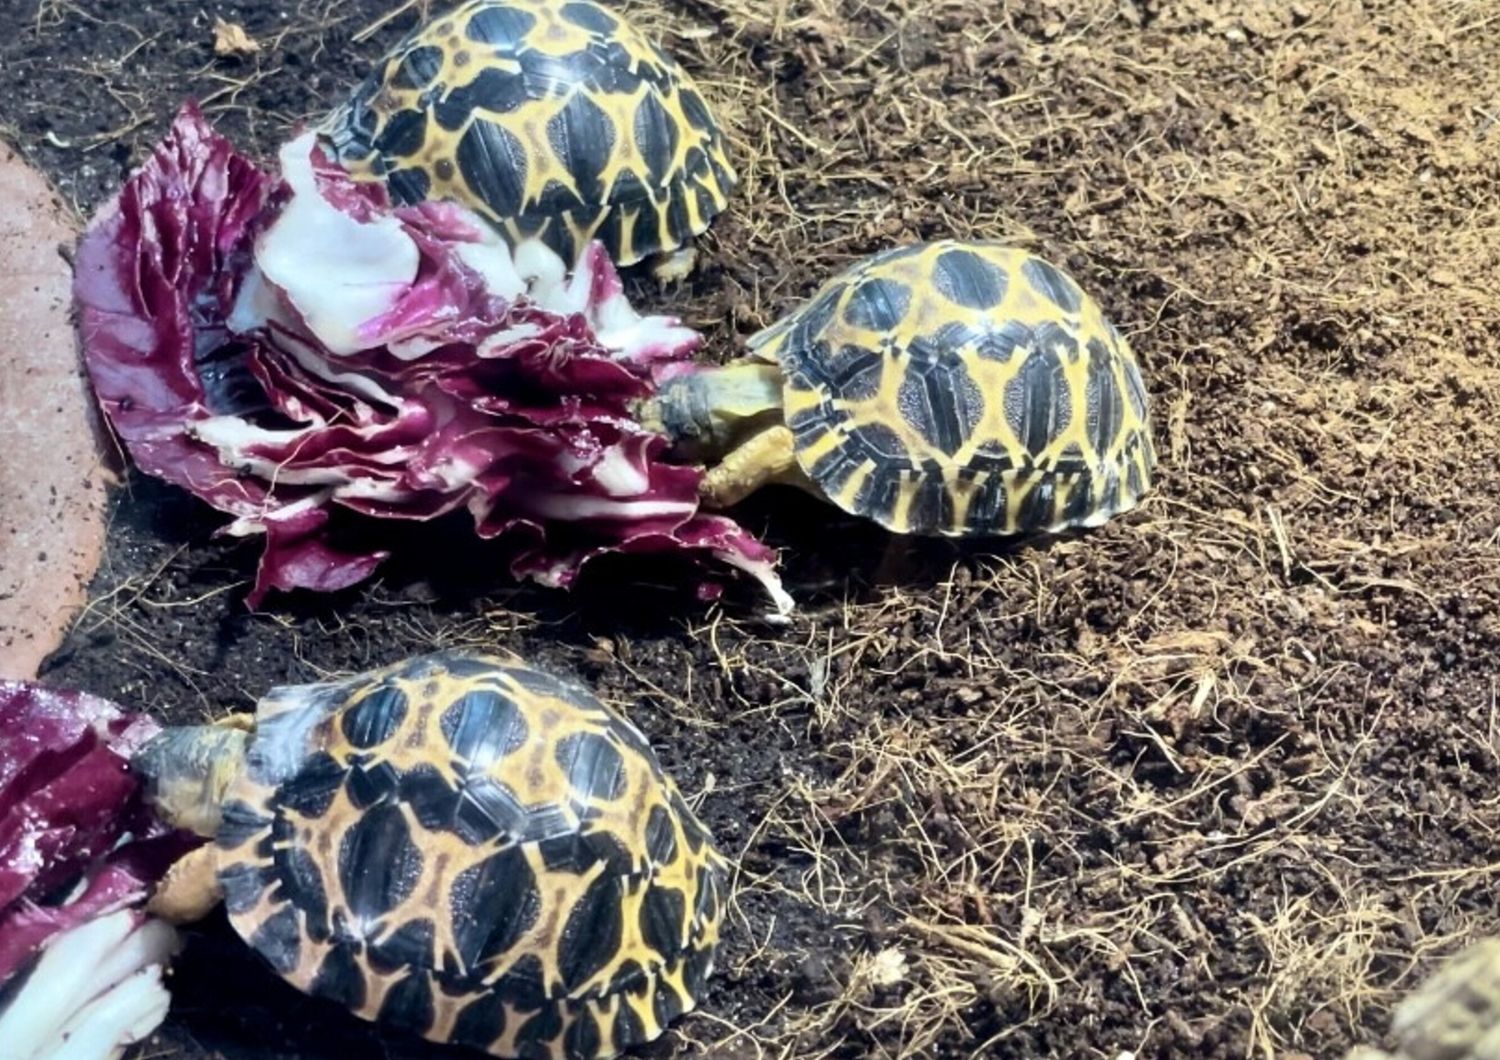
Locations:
1218 780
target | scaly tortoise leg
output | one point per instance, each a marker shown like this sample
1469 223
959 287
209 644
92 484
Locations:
760 459
674 266
189 890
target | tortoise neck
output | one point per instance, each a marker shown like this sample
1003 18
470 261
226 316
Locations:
708 412
187 771
342 134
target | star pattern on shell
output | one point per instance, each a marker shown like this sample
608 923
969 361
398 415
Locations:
554 120
963 388
476 851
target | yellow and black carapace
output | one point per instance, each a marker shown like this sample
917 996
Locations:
460 845
553 119
953 388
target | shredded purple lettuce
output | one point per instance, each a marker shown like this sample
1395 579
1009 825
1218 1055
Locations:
76 839
95 989
294 349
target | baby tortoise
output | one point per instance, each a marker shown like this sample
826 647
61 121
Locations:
954 388
460 845
554 119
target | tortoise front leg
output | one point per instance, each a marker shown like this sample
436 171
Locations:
673 266
761 458
189 890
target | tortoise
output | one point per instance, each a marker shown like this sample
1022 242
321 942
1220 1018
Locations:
458 844
553 119
1453 1015
946 388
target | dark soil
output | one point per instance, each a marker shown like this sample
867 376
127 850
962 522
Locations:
1216 780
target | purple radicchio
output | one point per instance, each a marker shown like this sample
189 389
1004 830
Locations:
294 348
80 961
76 839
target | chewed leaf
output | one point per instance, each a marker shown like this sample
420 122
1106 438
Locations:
294 349
96 989
76 840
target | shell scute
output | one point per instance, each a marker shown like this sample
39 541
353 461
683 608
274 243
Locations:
590 17
1038 401
967 279
877 304
340 977
409 1003
375 718
503 26
938 397
410 945
278 939
481 1022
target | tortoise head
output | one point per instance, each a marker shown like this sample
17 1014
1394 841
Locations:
708 412
186 771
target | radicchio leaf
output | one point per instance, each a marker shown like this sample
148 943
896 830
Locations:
76 840
96 989
296 349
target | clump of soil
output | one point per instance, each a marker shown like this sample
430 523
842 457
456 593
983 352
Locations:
1216 780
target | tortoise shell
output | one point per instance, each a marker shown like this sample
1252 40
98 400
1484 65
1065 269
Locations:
1454 1014
473 850
553 119
963 388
